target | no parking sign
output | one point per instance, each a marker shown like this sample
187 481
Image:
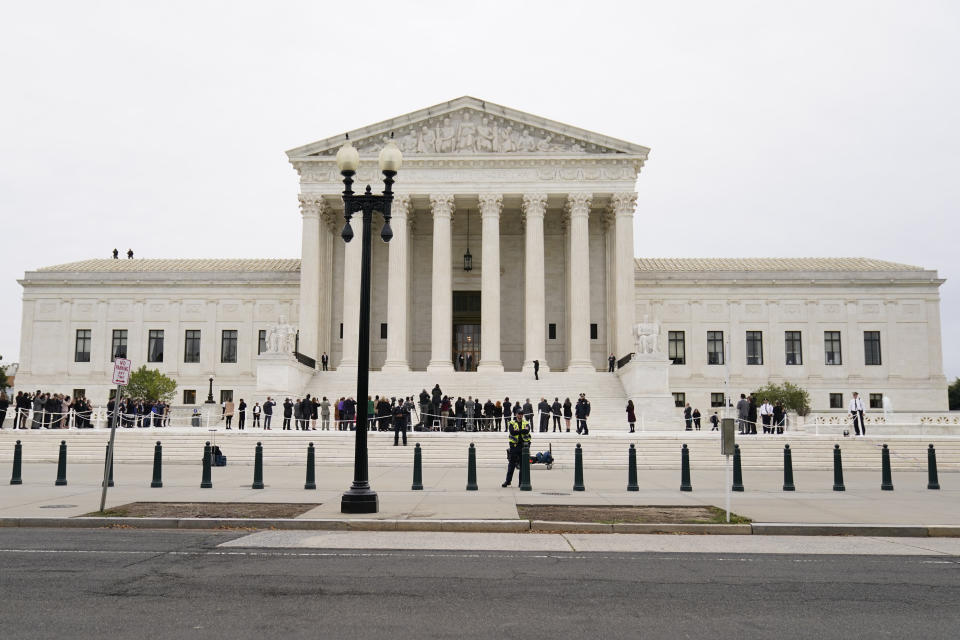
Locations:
121 372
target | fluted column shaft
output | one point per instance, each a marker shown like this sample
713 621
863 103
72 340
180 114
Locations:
398 287
311 208
441 291
578 211
352 258
622 206
490 205
535 344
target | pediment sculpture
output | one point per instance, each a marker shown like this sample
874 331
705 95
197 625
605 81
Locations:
471 132
281 337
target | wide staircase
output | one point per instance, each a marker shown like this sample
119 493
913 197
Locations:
654 450
607 399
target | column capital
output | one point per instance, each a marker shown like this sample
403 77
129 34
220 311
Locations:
400 208
534 204
311 205
490 204
441 205
578 204
623 203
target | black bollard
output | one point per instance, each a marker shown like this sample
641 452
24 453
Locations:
258 467
17 464
737 470
933 482
206 482
632 484
157 482
110 476
886 482
417 470
311 482
685 469
525 469
788 469
471 468
62 465
837 470
578 469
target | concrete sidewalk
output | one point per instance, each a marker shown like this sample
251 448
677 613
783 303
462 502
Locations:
445 496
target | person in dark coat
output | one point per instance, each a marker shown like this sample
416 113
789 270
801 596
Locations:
536 369
268 412
555 410
631 415
241 415
544 409
567 412
778 417
528 411
399 424
287 414
489 415
437 397
425 419
325 361
688 417
583 412
507 413
752 415
696 419
611 363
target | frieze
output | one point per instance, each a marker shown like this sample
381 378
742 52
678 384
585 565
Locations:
471 171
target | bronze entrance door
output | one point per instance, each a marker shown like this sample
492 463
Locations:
466 330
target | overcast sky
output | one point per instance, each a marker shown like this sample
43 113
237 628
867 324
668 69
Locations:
776 128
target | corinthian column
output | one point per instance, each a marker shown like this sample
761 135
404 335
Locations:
490 283
398 287
578 210
352 258
534 314
441 290
311 208
622 206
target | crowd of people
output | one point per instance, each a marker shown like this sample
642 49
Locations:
42 410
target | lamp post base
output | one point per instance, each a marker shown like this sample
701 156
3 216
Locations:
359 501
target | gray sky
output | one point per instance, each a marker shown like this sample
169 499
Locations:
776 128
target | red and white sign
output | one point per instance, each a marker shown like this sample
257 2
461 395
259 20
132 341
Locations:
121 372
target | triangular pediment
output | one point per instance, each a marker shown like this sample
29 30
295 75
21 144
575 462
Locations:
469 126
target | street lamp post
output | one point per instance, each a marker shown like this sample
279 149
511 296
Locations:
360 498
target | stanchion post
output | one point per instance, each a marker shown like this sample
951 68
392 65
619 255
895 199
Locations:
157 481
685 469
737 469
933 482
578 468
788 469
206 482
417 470
62 465
886 482
17 463
311 481
632 484
258 467
837 470
471 468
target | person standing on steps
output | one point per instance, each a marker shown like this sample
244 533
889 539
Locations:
325 414
518 431
228 411
325 361
567 412
688 417
743 413
856 411
257 410
544 409
715 421
555 409
536 369
242 417
696 419
631 415
399 424
268 412
611 363
287 414
583 412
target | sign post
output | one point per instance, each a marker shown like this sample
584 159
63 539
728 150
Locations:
727 431
121 378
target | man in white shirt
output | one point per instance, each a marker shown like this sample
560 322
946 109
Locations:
766 415
856 410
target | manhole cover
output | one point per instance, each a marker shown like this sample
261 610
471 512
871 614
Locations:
553 493
57 506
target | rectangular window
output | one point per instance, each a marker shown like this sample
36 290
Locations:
831 348
189 396
383 330
226 395
552 331
836 401
155 346
714 347
716 399
677 347
593 331
794 347
119 349
871 348
754 347
876 401
261 341
79 393
191 346
228 345
81 352
679 398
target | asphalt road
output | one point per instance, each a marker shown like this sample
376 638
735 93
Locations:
129 583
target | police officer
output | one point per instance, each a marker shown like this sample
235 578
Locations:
399 423
519 435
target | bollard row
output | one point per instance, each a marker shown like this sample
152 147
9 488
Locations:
206 482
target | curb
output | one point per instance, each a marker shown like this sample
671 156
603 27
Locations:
491 526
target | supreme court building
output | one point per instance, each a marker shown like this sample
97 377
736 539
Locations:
513 243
